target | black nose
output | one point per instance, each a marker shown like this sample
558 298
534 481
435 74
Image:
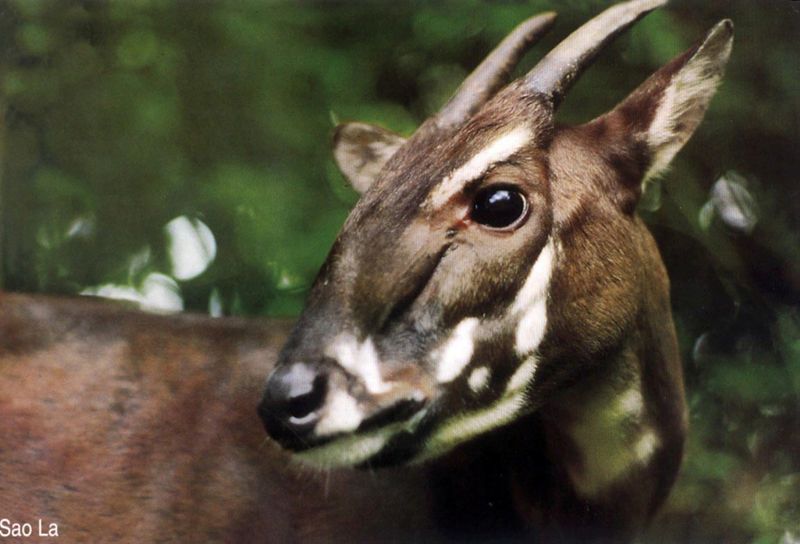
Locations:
291 403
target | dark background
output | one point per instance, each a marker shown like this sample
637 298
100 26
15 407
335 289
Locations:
119 117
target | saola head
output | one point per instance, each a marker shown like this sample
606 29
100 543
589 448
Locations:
486 250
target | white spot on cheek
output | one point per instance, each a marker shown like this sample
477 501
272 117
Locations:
498 150
479 378
341 415
457 352
531 302
359 360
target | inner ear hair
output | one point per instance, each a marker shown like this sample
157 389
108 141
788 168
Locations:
666 109
361 150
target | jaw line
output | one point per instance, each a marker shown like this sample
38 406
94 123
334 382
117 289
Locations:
463 427
357 449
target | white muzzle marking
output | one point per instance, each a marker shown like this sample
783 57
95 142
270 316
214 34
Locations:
360 360
342 415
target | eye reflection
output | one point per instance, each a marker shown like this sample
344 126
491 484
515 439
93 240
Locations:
499 207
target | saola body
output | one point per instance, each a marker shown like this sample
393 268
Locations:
492 328
120 426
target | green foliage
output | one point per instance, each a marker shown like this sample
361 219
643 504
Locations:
123 115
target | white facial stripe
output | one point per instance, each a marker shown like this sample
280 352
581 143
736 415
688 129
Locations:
465 426
531 301
355 449
349 451
359 360
342 415
535 286
457 352
498 150
479 379
461 428
523 375
530 330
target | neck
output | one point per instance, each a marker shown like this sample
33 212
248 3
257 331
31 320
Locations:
601 442
604 425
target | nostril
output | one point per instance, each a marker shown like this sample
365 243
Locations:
303 402
292 400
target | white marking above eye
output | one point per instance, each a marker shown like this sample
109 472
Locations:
499 149
457 352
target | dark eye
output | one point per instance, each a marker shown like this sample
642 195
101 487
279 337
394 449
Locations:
499 207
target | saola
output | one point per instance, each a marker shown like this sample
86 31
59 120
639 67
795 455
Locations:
492 328
494 288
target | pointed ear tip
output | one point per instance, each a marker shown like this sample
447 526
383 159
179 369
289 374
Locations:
724 27
721 31
720 36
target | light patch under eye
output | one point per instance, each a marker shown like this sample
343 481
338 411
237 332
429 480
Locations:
531 302
457 352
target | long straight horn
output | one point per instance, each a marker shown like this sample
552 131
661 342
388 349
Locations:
493 72
558 70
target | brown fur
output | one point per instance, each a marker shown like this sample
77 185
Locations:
126 427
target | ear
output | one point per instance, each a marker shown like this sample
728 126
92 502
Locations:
361 150
666 109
